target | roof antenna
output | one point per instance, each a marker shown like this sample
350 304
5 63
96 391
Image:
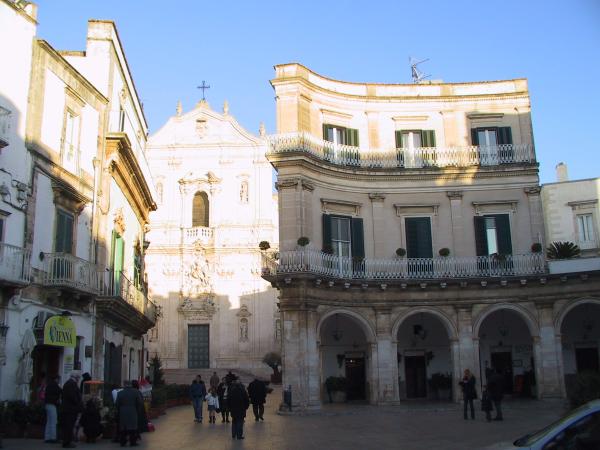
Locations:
417 75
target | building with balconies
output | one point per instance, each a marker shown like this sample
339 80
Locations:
422 210
215 205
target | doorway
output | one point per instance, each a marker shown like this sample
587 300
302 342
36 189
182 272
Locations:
502 361
416 376
587 359
46 362
355 378
198 347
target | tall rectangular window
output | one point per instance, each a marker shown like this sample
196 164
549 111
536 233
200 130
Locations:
71 141
340 236
63 235
2 225
343 236
340 135
418 237
585 228
492 235
416 148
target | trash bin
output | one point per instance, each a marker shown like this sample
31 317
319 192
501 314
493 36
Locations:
287 397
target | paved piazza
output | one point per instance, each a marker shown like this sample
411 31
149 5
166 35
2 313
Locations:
416 426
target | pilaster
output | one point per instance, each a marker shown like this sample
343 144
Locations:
386 363
380 242
290 212
458 227
536 213
547 355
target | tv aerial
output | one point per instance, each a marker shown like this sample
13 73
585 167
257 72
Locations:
417 75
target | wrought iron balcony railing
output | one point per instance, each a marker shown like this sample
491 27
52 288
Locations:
15 264
117 285
407 158
68 271
319 263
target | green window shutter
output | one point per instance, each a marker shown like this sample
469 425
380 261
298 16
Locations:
418 237
481 245
504 135
474 137
503 234
398 138
325 128
351 137
428 138
326 231
358 240
64 233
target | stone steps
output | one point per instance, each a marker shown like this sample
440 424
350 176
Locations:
185 376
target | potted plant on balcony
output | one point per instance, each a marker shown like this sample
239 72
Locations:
444 251
303 241
264 245
536 247
336 389
563 250
400 252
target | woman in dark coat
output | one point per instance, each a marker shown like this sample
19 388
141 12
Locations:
91 421
130 405
223 406
469 393
239 402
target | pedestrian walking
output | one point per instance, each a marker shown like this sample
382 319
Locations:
496 388
214 381
257 391
129 405
469 393
223 404
230 377
51 401
486 403
212 402
91 421
238 404
197 394
142 417
71 407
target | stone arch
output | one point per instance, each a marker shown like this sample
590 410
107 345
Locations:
362 321
531 322
438 313
568 307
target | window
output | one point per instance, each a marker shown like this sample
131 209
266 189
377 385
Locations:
416 148
343 236
77 353
137 268
244 191
492 235
418 237
495 144
71 141
200 210
118 251
63 236
585 229
340 135
121 119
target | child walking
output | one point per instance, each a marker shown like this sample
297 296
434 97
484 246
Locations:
486 403
212 400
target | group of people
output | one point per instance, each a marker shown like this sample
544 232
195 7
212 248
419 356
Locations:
229 397
491 397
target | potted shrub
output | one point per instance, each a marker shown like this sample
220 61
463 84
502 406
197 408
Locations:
36 420
303 241
264 245
273 360
445 251
536 247
336 389
109 417
401 252
441 384
14 420
327 249
563 250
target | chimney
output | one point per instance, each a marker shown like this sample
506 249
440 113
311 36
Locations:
561 172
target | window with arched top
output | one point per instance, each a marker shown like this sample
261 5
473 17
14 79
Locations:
200 210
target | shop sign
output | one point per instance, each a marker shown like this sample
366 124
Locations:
60 331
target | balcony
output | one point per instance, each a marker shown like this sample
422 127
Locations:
4 127
204 235
450 267
15 266
65 271
124 304
402 158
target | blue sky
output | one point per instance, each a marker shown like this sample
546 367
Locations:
172 46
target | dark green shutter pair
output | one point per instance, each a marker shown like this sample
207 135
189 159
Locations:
64 232
502 234
427 138
357 233
418 237
350 135
503 135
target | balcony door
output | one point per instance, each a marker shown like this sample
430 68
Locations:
495 144
344 237
117 260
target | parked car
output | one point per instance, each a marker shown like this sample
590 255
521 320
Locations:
578 430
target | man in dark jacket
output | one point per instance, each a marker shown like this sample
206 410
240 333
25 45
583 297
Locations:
257 390
197 394
496 388
71 407
129 405
51 400
238 404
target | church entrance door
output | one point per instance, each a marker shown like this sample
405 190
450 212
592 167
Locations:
198 347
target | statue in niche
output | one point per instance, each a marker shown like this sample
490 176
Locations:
244 192
243 330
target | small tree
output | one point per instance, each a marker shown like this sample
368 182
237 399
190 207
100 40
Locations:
400 251
445 251
303 241
264 245
156 371
562 250
273 360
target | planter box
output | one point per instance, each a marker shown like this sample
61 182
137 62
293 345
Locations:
574 265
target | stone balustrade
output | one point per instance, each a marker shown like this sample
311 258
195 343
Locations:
15 264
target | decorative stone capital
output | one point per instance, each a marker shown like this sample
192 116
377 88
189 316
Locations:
307 186
532 190
287 184
454 195
377 197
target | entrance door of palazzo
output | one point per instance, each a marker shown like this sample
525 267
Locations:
416 378
355 378
198 347
586 359
502 361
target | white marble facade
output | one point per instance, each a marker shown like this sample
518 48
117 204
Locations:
215 204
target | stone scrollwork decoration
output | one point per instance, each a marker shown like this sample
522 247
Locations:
200 308
119 220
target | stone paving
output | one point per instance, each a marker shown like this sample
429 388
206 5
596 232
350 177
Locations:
411 426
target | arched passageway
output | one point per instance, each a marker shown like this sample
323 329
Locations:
506 346
425 361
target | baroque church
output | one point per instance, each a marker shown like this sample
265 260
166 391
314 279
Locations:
215 204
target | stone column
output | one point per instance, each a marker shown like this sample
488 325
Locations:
536 214
468 347
546 355
456 374
290 213
387 366
380 241
306 223
458 227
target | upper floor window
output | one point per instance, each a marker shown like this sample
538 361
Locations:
409 144
121 119
340 135
63 234
585 229
491 136
492 235
415 138
200 210
343 236
71 141
418 237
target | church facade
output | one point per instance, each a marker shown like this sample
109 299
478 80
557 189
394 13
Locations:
215 205
411 237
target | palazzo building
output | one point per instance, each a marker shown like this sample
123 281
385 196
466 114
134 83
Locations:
421 206
215 205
